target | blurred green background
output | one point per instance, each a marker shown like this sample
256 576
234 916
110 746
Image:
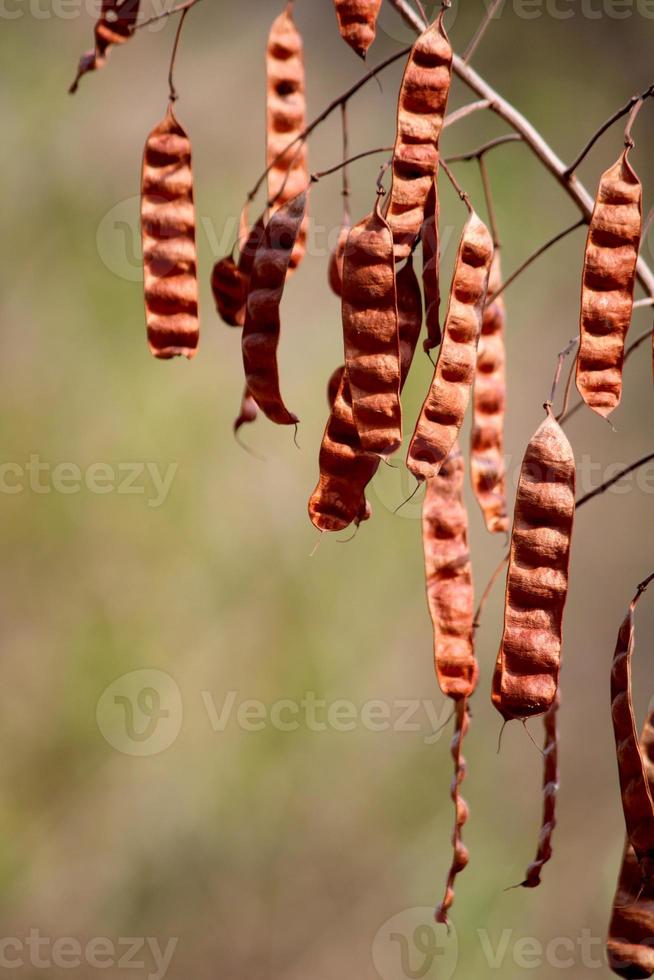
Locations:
269 853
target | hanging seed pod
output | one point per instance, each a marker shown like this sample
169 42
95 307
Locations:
431 260
357 22
527 669
230 280
115 26
609 277
550 790
487 467
248 412
168 237
460 856
335 269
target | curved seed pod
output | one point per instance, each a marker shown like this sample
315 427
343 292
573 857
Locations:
527 669
629 944
460 856
637 801
345 469
357 22
550 790
168 236
370 334
607 293
114 26
230 280
262 323
286 119
421 109
335 269
334 384
487 467
448 574
442 412
248 412
431 259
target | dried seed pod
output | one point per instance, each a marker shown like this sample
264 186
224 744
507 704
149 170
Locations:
230 280
345 469
248 412
370 334
527 669
334 384
286 119
550 790
262 323
114 26
420 113
448 575
460 851
442 413
431 259
487 467
637 802
335 269
607 293
629 944
357 22
168 236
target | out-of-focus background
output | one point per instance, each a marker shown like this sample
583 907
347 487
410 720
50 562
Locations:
211 741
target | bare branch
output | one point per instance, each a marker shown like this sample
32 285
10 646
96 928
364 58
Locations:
532 258
607 125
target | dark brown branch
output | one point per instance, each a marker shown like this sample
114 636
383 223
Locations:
609 483
345 163
481 150
172 91
532 258
180 8
569 171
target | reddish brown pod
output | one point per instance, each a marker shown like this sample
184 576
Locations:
421 109
429 238
345 468
637 801
335 268
230 280
527 669
370 334
487 467
629 944
168 238
550 791
357 22
248 412
443 410
262 321
286 109
607 293
448 574
114 26
460 856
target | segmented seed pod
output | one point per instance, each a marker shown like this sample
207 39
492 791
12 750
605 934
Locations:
487 467
527 670
262 326
431 258
420 113
357 22
345 469
285 120
607 293
637 802
448 574
114 26
550 791
334 384
230 280
335 269
629 944
442 412
370 334
460 856
168 238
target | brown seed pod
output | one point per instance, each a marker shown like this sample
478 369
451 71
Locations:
550 790
262 322
230 280
168 236
420 113
527 669
487 467
607 293
335 269
370 334
345 469
431 259
448 574
248 412
334 384
442 413
285 120
357 22
114 26
629 944
637 801
460 851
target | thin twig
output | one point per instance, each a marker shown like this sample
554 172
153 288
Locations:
569 171
560 360
614 479
166 13
466 110
481 150
456 185
345 187
648 301
532 258
172 91
566 393
488 196
345 163
481 30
